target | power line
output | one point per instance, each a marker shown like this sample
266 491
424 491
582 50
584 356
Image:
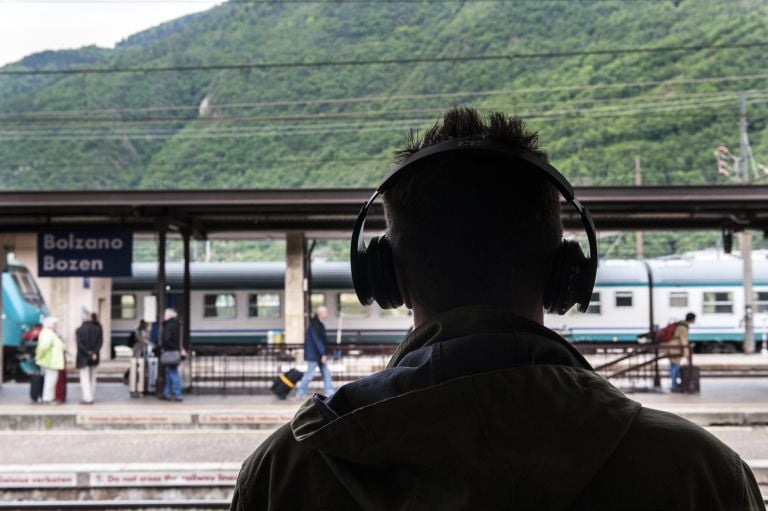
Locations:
397 126
400 61
383 98
312 123
231 123
367 122
301 2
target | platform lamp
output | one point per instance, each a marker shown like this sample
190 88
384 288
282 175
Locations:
727 240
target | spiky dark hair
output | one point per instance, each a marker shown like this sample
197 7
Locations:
460 122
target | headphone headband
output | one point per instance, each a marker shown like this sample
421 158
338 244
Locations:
493 148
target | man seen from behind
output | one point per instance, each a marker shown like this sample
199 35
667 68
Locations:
677 349
315 342
482 407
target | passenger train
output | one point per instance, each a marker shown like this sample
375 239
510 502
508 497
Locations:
632 296
242 303
23 312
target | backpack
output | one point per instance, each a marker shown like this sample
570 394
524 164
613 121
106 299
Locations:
131 338
667 333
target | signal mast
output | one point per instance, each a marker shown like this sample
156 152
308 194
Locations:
743 169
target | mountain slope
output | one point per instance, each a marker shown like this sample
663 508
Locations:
178 120
322 126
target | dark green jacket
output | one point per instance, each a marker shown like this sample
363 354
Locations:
481 410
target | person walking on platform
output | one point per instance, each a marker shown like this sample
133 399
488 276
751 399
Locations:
677 349
49 354
141 347
90 338
482 407
315 342
171 354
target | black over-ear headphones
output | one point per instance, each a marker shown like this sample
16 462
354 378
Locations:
571 277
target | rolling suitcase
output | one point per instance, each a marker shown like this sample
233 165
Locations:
185 374
690 376
151 375
61 387
285 383
36 387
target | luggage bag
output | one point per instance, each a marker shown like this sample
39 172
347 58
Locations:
690 377
151 375
285 383
61 386
36 387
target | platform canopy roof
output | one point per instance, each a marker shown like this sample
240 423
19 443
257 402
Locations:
331 212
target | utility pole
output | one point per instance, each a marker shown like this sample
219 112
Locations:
638 234
745 236
744 170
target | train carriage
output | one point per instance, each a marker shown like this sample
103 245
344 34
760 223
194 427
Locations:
618 310
714 290
242 303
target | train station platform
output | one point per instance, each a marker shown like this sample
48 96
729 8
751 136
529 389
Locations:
733 391
154 449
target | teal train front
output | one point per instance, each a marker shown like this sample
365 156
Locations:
23 311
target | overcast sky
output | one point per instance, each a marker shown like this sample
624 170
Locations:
30 26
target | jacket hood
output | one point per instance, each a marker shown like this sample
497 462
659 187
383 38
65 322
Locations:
461 421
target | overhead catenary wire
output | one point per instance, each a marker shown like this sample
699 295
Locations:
309 123
233 123
321 130
300 2
392 61
636 109
395 98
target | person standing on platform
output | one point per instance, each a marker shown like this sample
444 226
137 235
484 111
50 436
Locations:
482 407
315 342
171 354
49 354
90 338
677 349
140 339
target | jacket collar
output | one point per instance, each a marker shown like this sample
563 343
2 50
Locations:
473 320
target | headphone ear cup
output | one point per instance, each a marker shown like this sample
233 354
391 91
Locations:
360 279
381 274
567 278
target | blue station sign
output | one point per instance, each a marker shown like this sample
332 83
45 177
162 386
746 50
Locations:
84 253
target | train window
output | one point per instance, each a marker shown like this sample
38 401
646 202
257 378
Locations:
400 312
123 306
348 305
718 302
623 298
594 304
316 300
26 284
219 306
761 301
264 305
678 299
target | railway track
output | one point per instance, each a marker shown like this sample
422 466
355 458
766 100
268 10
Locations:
127 504
86 505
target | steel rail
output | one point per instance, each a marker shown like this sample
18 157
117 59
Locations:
116 504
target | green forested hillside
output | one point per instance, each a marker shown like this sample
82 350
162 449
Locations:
182 114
